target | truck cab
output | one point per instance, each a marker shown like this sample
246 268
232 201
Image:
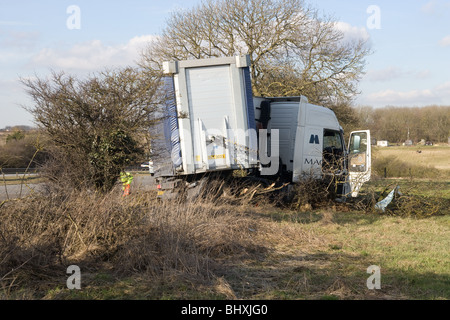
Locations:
311 143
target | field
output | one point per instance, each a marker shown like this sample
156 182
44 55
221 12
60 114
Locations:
427 156
138 248
415 162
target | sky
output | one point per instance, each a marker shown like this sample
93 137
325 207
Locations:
410 40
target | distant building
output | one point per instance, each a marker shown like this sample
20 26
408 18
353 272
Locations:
408 143
382 143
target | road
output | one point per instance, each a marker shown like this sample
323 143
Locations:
144 182
14 191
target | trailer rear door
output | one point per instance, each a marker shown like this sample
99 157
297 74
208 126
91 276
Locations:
210 99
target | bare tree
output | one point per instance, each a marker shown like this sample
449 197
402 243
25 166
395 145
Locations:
98 125
292 50
397 124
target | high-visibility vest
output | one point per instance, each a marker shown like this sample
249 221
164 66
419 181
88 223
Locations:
126 178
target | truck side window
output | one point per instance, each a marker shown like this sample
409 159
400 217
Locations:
358 143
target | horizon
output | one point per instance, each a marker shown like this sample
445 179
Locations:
31 126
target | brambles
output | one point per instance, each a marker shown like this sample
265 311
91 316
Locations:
311 194
412 198
419 206
408 202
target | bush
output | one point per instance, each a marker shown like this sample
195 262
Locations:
21 153
97 126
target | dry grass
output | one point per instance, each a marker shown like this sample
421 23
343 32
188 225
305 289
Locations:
429 162
426 156
43 235
241 245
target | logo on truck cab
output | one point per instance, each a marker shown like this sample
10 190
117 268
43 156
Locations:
314 139
313 161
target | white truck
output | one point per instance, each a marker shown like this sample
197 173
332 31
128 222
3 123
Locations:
214 124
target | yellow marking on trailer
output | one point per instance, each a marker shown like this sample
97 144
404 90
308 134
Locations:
216 156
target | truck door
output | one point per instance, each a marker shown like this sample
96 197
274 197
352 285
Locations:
312 152
359 160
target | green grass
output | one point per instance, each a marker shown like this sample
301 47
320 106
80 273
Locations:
412 254
324 254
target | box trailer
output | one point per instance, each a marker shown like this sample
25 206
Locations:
210 118
214 124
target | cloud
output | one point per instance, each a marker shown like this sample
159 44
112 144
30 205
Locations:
445 42
392 72
437 95
444 88
92 55
352 33
435 7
